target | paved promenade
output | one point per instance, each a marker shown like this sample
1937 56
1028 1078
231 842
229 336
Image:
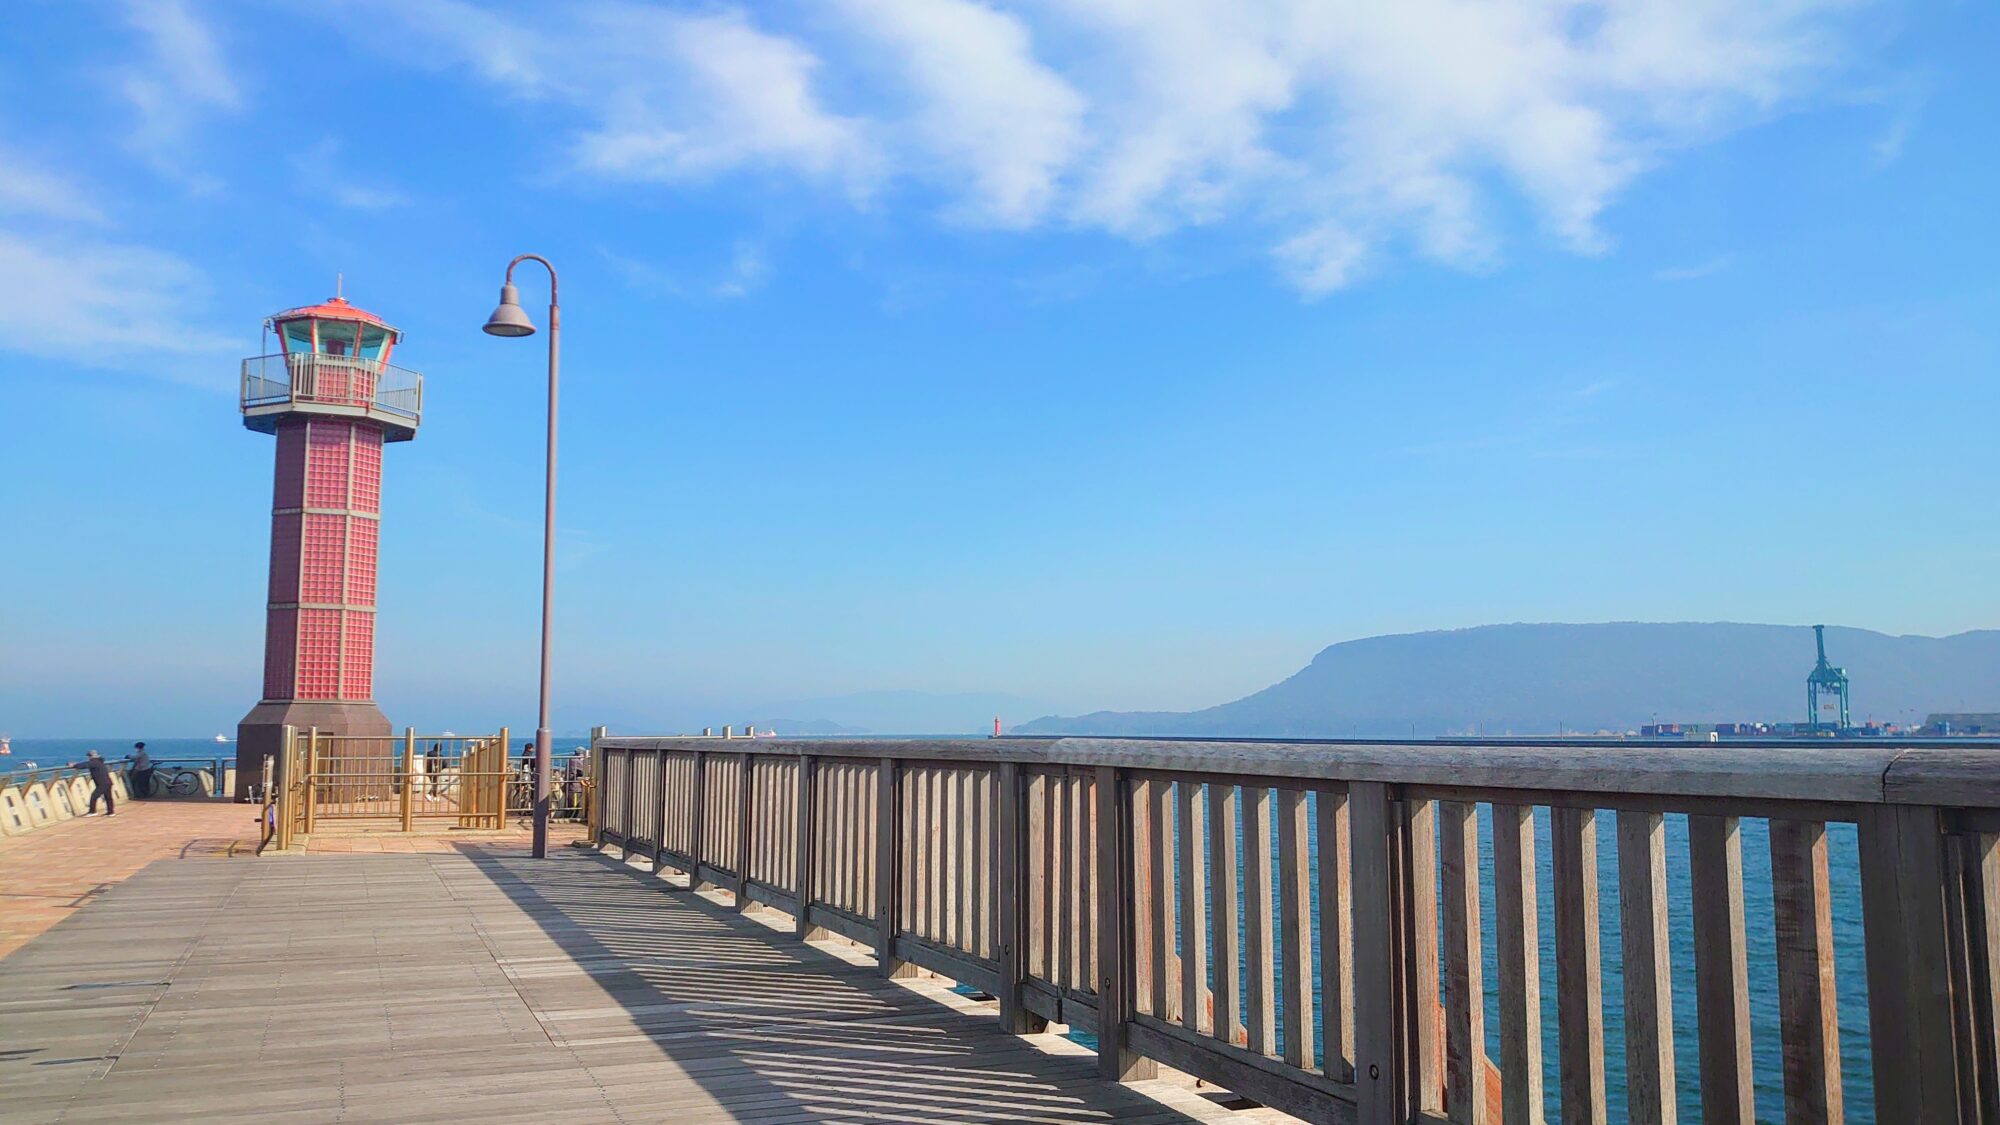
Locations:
482 985
48 874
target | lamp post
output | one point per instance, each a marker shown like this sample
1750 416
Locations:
510 319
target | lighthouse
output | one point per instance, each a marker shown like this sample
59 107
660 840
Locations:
330 397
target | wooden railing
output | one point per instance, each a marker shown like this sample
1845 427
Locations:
1302 922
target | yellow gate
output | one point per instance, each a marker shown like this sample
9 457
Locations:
370 782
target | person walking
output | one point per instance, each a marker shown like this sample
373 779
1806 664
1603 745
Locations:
142 771
434 767
100 781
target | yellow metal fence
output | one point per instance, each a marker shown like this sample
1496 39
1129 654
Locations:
406 782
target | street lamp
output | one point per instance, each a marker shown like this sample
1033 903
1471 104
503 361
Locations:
510 319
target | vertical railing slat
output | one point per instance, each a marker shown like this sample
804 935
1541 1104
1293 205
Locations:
1579 980
1426 1033
1295 928
1223 940
1809 1017
1039 931
1517 946
1336 955
804 832
1062 877
1721 967
1464 967
1649 996
1190 855
1259 961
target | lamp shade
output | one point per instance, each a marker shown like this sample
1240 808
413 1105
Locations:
509 319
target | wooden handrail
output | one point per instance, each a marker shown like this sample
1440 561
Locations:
1334 970
1961 773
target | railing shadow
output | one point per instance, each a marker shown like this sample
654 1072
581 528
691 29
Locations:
766 1025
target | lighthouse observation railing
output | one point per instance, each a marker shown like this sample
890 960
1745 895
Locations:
315 377
1370 931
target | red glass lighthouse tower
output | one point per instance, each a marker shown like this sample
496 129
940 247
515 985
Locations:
332 400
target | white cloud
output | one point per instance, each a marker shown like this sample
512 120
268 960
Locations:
985 107
1322 259
692 97
1338 132
664 96
26 189
107 304
181 77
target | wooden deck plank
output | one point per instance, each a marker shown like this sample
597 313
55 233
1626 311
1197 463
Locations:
487 986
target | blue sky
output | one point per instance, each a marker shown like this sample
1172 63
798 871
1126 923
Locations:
1109 354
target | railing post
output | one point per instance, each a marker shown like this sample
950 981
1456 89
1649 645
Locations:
1011 903
660 811
1909 986
888 868
287 764
502 774
802 839
1115 929
312 775
746 784
592 788
697 818
630 784
1375 1025
409 776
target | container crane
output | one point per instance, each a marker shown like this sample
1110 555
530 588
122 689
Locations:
1827 680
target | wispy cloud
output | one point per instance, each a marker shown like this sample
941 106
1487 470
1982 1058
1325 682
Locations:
1696 271
1339 134
70 292
981 105
1888 146
29 189
745 270
108 304
178 79
324 171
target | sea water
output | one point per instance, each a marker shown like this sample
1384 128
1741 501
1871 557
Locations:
55 753
1760 943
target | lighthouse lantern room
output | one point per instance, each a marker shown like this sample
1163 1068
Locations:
331 398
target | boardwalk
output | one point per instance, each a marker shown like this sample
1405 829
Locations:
483 986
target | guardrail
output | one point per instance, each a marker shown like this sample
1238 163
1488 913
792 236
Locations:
1301 922
315 377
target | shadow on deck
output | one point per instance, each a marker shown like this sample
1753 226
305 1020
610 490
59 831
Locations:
488 986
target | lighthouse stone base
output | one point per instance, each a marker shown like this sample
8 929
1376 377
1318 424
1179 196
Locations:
261 734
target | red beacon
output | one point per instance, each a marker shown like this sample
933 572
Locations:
332 400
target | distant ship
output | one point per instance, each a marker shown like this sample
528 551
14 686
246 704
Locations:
222 738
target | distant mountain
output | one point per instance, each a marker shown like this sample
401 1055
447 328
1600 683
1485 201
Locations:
1536 679
806 727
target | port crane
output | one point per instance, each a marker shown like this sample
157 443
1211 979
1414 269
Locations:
1825 679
